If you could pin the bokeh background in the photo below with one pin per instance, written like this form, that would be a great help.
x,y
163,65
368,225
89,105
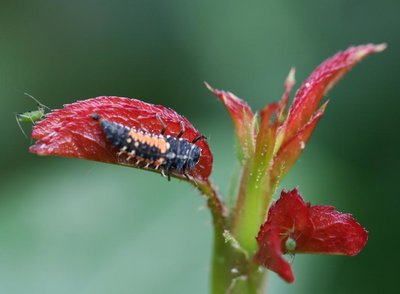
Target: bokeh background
x,y
72,226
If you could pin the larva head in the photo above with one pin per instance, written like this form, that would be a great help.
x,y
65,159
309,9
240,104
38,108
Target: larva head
x,y
194,156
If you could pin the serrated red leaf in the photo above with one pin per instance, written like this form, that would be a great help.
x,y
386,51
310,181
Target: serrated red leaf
x,y
266,136
265,140
290,151
308,97
240,113
289,84
315,229
271,256
345,235
71,132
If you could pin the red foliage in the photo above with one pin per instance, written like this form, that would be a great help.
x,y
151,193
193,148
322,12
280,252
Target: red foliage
x,y
290,152
240,113
71,132
294,130
326,75
315,229
283,135
270,254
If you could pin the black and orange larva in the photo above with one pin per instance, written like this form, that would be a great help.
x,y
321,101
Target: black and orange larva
x,y
164,153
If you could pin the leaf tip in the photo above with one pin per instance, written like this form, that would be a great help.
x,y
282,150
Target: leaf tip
x,y
208,86
323,107
380,47
291,78
368,49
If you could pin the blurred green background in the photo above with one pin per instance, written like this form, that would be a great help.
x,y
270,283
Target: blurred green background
x,y
72,226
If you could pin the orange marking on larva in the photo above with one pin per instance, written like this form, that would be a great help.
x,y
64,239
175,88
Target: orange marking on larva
x,y
159,143
149,141
163,145
136,136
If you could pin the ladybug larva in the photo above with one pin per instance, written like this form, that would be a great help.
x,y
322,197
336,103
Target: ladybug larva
x,y
156,151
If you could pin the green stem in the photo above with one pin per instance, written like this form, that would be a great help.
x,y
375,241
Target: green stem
x,y
219,212
256,281
233,272
255,191
221,277
251,205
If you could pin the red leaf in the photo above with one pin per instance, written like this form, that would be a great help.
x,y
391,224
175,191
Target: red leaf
x,y
309,96
71,131
289,84
271,256
265,141
240,113
334,233
315,229
291,150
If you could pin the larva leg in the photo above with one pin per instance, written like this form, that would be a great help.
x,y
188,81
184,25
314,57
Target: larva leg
x,y
182,130
199,137
164,125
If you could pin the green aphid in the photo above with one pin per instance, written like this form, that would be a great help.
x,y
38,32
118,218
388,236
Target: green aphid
x,y
290,245
32,116
290,249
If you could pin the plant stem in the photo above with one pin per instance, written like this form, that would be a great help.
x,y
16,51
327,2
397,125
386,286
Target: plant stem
x,y
217,207
232,270
221,277
251,205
